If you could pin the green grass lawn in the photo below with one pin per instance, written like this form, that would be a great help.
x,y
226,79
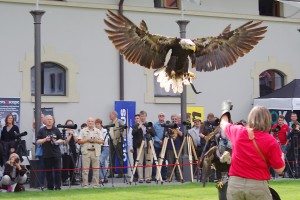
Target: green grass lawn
x,y
286,189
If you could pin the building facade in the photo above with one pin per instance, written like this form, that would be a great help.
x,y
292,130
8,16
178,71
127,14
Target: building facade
x,y
81,66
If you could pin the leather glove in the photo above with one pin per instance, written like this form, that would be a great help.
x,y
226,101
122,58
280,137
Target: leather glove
x,y
225,109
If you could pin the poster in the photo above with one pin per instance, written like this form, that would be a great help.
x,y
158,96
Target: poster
x,y
126,112
10,106
197,112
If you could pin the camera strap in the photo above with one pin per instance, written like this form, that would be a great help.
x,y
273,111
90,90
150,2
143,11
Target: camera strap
x,y
251,137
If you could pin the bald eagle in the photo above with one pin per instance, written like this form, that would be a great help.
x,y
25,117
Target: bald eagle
x,y
206,54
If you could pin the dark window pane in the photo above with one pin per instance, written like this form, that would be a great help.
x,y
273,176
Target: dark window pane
x,y
270,81
53,79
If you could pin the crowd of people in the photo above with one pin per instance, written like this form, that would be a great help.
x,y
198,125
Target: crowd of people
x,y
59,151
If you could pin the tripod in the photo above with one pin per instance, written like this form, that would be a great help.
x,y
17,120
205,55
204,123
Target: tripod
x,y
110,158
162,155
21,151
149,141
70,154
296,155
191,150
284,153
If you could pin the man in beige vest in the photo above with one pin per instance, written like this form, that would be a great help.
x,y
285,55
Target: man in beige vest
x,y
90,140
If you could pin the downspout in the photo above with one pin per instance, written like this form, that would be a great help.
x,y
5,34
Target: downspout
x,y
121,59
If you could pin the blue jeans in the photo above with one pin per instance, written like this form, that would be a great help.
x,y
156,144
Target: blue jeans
x,y
42,174
103,157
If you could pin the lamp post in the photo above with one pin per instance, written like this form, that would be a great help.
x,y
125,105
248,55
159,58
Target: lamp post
x,y
185,158
37,16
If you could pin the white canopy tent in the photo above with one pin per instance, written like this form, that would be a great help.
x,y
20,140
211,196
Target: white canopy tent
x,y
285,98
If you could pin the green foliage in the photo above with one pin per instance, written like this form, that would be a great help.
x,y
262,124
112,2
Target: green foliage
x,y
286,189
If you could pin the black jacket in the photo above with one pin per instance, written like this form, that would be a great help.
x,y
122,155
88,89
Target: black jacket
x,y
8,169
138,135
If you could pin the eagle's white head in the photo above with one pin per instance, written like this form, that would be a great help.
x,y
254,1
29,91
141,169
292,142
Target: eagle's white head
x,y
187,44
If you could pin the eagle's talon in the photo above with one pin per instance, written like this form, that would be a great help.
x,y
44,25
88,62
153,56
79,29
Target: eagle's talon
x,y
219,184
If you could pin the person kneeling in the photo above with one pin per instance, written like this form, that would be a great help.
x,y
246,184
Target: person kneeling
x,y
14,175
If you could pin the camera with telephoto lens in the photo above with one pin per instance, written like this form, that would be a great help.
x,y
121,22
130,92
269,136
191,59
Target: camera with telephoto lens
x,y
276,129
148,124
70,126
213,124
171,126
19,135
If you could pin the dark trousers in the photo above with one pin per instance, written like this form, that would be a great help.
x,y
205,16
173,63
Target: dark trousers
x,y
68,163
116,150
163,168
171,160
41,173
134,160
53,167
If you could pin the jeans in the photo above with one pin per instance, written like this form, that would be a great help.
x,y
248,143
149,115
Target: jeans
x,y
42,174
103,157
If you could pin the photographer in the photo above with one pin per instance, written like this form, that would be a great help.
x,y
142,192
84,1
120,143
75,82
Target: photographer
x,y
116,149
69,154
90,140
140,132
50,137
207,127
177,137
280,132
294,141
14,173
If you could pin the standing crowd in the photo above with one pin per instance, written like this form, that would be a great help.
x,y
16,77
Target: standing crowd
x,y
100,149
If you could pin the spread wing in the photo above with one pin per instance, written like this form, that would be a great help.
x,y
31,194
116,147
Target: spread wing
x,y
136,43
222,51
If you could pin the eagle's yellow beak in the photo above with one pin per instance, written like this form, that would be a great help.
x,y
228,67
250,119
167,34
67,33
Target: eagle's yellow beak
x,y
193,48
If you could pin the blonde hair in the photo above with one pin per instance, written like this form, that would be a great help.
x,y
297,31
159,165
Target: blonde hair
x,y
259,119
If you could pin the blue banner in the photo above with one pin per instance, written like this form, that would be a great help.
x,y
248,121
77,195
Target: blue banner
x,y
126,112
10,106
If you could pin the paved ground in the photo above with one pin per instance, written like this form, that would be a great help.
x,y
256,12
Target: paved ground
x,y
115,182
121,182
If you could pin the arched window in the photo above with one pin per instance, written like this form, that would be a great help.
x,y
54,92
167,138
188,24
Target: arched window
x,y
269,81
53,79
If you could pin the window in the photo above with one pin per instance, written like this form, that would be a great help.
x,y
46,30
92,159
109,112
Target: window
x,y
166,4
160,92
269,81
53,79
269,8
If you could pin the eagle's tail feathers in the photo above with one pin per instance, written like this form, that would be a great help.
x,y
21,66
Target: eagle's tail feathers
x,y
176,83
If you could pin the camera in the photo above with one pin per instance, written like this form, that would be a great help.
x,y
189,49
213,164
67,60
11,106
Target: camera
x,y
187,124
19,135
71,126
17,160
148,124
108,126
294,126
171,126
53,140
276,129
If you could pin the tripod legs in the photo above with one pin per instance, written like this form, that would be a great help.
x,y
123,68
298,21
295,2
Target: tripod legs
x,y
137,160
